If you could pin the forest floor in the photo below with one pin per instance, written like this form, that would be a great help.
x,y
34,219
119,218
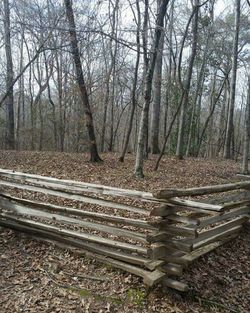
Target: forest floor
x,y
37,277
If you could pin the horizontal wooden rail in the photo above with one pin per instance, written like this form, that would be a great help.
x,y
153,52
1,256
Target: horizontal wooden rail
x,y
134,259
200,191
76,234
176,206
47,207
217,236
227,215
82,186
85,199
21,209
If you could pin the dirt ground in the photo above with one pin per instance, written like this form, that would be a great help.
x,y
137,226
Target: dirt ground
x,y
38,277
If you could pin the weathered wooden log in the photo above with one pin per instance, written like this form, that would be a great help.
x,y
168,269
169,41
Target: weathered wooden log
x,y
177,260
165,210
220,228
189,204
190,257
23,210
180,286
157,251
172,269
225,216
176,206
164,252
165,235
80,186
183,219
149,278
85,199
236,204
200,191
115,254
36,205
153,264
77,235
184,231
244,176
170,213
200,242
173,244
179,245
157,236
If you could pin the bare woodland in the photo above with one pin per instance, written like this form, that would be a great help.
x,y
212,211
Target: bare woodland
x,y
161,77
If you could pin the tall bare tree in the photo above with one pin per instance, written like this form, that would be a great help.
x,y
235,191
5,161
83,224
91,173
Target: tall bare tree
x,y
94,156
9,79
148,89
156,107
186,86
246,133
228,151
134,87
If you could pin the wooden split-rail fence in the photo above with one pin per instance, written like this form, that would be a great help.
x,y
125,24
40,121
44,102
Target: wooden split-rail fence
x,y
152,235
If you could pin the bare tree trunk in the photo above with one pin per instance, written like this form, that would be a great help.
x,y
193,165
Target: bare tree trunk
x,y
200,83
223,122
133,93
9,79
111,135
213,102
145,69
48,72
186,86
193,127
106,102
228,152
171,58
94,156
110,72
238,135
61,101
41,135
155,121
168,134
246,144
32,112
155,117
145,38
148,90
20,102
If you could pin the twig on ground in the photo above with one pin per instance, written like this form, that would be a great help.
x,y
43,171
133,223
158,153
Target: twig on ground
x,y
85,276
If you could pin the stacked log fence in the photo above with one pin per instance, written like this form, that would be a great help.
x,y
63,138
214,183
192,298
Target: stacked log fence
x,y
152,235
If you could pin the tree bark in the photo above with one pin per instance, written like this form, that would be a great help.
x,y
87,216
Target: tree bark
x,y
228,152
110,72
20,101
94,156
9,79
213,102
246,144
155,117
148,90
145,68
133,93
186,86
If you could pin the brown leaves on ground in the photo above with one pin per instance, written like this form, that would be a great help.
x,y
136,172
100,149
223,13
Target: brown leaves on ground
x,y
36,277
